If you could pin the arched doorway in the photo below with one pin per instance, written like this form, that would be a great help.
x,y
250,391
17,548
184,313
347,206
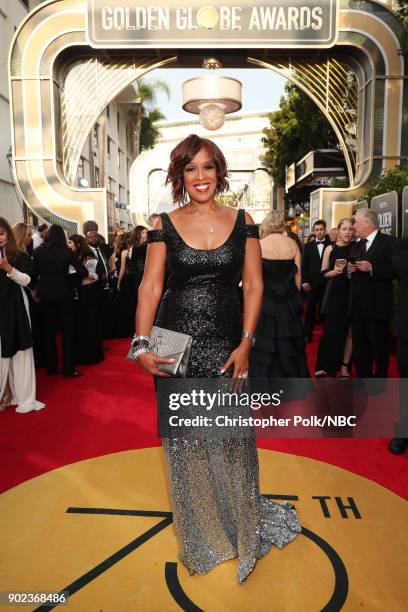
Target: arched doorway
x,y
60,83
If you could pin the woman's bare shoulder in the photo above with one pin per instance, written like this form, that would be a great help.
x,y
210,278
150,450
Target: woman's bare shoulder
x,y
158,223
248,219
279,245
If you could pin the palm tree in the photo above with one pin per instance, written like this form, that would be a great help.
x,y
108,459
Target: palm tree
x,y
149,133
146,93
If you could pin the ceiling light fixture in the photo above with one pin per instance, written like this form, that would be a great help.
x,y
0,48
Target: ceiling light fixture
x,y
212,97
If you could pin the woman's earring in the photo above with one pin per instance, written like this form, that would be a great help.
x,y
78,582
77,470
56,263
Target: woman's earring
x,y
185,196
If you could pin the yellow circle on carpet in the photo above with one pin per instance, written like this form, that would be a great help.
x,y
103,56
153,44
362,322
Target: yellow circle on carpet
x,y
46,548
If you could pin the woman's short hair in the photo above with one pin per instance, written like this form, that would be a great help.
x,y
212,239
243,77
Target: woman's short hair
x,y
182,155
274,223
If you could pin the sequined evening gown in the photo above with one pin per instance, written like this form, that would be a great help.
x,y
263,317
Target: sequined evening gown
x,y
218,512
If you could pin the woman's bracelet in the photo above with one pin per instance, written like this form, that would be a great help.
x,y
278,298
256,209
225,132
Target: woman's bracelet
x,y
140,340
139,351
246,334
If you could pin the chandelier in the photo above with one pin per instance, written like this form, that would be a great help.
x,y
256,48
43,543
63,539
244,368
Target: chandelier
x,y
212,97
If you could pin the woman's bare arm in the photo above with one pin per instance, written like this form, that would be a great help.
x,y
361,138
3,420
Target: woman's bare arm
x,y
122,267
325,264
252,285
325,260
149,295
252,282
111,264
298,262
151,287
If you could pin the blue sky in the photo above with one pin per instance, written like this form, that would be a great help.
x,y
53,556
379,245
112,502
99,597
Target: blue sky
x,y
261,89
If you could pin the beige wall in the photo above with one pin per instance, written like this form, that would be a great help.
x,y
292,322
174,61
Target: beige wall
x,y
11,13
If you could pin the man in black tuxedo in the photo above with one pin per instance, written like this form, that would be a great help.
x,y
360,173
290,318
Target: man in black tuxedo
x,y
371,272
102,267
91,227
312,281
102,270
398,445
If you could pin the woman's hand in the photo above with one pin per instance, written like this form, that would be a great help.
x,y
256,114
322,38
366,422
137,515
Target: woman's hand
x,y
338,268
239,358
35,297
4,265
149,362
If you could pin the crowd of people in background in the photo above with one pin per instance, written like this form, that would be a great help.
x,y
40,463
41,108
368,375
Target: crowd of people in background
x,y
86,290
76,287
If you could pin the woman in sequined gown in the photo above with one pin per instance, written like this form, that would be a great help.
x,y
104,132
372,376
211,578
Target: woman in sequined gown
x,y
218,511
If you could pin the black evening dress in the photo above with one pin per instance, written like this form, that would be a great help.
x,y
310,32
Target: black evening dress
x,y
89,343
336,313
15,329
279,350
218,511
125,300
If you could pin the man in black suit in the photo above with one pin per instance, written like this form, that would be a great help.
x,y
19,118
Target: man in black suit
x,y
372,272
398,445
91,227
102,267
102,270
312,281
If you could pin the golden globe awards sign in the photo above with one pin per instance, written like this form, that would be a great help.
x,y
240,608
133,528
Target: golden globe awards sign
x,y
405,212
386,206
144,24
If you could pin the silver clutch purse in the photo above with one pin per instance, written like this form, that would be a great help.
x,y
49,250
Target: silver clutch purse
x,y
168,343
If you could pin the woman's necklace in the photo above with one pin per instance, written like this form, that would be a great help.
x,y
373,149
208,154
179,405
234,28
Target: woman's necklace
x,y
211,228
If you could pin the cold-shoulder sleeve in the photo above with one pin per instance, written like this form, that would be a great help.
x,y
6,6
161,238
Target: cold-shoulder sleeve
x,y
157,235
251,230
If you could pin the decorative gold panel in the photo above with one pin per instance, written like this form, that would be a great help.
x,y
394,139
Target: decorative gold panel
x,y
325,80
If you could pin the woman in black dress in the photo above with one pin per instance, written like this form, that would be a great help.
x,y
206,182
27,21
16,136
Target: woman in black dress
x,y
88,336
24,239
130,277
335,345
17,372
53,262
279,350
218,512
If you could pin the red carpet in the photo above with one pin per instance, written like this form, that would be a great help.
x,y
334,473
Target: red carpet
x,y
112,408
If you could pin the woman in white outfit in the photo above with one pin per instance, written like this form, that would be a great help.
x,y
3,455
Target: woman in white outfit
x,y
17,372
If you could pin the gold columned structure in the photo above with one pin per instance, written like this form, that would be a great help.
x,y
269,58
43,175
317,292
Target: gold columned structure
x,y
62,76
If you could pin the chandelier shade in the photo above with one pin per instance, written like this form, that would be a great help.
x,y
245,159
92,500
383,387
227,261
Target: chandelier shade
x,y
223,91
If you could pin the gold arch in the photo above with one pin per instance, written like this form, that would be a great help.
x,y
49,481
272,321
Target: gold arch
x,y
47,138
